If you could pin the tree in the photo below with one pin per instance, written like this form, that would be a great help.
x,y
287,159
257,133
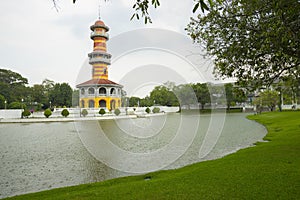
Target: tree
x,y
234,94
102,111
26,113
117,112
267,98
239,95
147,110
229,95
12,78
13,86
47,113
61,95
134,101
185,95
202,93
257,42
16,105
163,96
39,94
84,112
2,101
155,110
146,102
65,112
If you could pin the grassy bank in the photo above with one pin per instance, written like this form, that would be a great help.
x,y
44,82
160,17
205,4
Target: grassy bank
x,y
270,170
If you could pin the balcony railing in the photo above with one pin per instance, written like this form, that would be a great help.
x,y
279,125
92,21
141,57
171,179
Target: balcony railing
x,y
99,60
99,34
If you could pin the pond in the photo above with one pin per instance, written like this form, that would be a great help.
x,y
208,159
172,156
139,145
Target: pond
x,y
41,156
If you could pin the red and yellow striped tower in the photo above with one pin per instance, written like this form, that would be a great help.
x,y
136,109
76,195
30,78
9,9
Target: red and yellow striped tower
x,y
100,92
99,58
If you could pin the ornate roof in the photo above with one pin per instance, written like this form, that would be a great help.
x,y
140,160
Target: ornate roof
x,y
99,24
98,82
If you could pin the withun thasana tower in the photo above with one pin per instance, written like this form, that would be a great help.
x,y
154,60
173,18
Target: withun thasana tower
x,y
100,92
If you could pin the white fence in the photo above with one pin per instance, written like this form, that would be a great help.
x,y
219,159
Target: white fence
x,y
10,114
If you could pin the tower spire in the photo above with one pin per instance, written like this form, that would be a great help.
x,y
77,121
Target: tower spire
x,y
99,16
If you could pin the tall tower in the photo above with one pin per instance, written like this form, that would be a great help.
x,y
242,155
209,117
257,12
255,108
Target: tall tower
x,y
99,58
100,92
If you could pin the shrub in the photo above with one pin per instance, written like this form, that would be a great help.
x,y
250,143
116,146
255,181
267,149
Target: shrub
x,y
117,111
155,110
148,110
65,112
84,112
26,113
47,113
16,105
102,111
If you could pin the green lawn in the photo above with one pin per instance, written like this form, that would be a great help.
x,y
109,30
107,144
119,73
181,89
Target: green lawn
x,y
270,170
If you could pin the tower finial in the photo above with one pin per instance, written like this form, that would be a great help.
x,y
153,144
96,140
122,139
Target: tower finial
x,y
99,11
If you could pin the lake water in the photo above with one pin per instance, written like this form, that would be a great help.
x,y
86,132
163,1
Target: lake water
x,y
42,156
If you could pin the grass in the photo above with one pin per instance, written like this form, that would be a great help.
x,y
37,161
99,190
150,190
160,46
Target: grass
x,y
270,170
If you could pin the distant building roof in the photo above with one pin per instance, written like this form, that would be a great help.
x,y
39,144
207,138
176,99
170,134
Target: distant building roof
x,y
98,82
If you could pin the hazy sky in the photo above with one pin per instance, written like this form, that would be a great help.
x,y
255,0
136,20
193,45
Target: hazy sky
x,y
39,42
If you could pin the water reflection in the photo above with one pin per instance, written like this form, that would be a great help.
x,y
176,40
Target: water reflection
x,y
42,156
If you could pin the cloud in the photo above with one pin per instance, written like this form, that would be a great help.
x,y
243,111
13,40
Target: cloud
x,y
39,42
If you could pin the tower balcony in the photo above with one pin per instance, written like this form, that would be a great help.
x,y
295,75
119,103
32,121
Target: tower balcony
x,y
99,34
99,60
99,54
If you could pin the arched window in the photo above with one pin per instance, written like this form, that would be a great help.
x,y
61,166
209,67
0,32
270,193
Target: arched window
x,y
112,91
102,91
91,104
102,103
91,91
82,91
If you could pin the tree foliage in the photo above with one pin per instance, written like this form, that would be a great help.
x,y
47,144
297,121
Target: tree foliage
x,y
47,113
163,96
12,85
255,41
2,101
61,95
185,95
65,113
267,98
156,110
102,111
134,101
147,110
26,113
84,112
202,92
13,88
117,112
234,95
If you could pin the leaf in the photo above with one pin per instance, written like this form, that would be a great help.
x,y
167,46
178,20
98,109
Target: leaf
x,y
203,6
132,16
196,7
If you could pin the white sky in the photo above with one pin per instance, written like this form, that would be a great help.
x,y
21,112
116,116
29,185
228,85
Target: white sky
x,y
39,43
